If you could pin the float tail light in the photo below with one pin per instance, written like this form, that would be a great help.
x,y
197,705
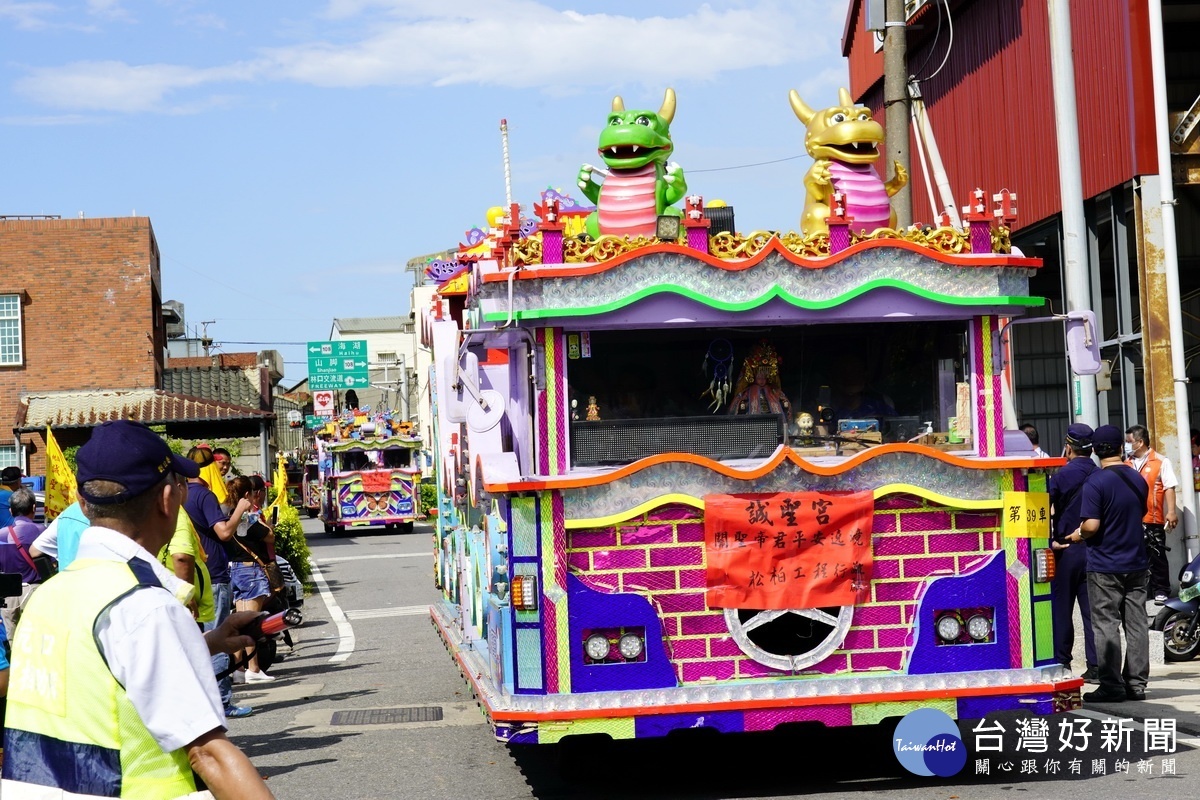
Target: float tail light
x,y
1043,565
524,593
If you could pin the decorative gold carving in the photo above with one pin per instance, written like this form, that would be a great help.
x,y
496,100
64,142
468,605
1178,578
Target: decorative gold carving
x,y
949,241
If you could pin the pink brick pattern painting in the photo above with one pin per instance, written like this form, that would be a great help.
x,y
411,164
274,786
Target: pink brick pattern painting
x,y
660,555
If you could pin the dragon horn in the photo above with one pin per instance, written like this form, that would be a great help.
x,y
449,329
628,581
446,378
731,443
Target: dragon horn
x,y
667,112
618,104
803,112
845,99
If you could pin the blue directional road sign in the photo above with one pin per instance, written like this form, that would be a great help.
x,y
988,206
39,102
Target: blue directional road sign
x,y
340,364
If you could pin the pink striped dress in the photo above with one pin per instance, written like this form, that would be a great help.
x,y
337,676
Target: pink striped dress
x,y
627,205
866,199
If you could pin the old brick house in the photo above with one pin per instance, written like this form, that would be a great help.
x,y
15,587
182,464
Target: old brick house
x,y
82,336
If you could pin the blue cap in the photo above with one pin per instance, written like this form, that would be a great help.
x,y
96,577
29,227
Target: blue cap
x,y
1108,440
128,453
1079,435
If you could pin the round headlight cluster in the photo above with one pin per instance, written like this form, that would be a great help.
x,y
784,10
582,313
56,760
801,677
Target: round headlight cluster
x,y
630,646
949,627
979,628
1187,577
596,647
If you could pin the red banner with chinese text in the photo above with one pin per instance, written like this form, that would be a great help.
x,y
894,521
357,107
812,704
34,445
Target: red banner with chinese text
x,y
788,550
380,481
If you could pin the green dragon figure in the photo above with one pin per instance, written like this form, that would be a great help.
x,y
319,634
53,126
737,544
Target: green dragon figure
x,y
639,183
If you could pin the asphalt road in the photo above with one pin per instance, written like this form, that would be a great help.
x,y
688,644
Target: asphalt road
x,y
370,705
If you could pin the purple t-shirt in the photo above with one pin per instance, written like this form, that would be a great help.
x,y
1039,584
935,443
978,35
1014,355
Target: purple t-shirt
x,y
1120,544
205,511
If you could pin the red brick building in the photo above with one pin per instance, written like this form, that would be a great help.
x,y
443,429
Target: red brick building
x,y
82,334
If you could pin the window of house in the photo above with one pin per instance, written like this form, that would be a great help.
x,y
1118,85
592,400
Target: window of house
x,y
10,329
9,457
386,358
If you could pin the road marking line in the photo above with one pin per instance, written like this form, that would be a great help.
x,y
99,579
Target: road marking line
x,y
345,632
368,558
397,611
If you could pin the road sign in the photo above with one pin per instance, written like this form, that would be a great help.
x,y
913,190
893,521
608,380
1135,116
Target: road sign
x,y
340,364
323,403
313,422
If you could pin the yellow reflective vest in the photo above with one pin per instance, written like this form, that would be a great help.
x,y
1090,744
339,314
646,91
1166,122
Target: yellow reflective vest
x,y
71,730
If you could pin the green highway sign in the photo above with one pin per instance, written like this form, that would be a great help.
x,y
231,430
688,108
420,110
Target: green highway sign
x,y
340,364
312,423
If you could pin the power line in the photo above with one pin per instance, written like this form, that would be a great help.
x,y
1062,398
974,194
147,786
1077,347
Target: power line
x,y
747,166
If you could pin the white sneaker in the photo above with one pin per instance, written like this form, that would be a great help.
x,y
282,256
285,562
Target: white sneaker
x,y
257,677
239,676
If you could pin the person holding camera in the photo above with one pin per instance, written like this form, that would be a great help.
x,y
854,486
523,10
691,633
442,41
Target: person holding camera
x,y
15,543
248,553
112,690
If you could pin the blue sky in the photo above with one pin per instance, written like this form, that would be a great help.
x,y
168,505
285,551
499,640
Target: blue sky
x,y
292,156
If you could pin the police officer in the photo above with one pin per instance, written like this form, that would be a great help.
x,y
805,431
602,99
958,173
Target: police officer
x,y
112,690
1070,572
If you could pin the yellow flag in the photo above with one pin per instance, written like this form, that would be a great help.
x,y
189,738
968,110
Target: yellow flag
x,y
280,480
216,481
60,480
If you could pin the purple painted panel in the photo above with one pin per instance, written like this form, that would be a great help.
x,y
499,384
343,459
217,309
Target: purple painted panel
x,y
837,716
618,559
752,669
923,567
877,615
591,538
674,512
676,556
722,646
965,519
680,603
708,670
885,568
984,587
898,545
693,579
703,623
884,523
662,724
954,543
689,648
689,532
891,660
648,534
589,609
914,521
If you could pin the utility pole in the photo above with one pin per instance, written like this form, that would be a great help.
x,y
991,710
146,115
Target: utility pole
x,y
895,104
1085,407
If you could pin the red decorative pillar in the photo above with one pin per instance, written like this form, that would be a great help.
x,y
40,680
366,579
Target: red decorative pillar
x,y
552,230
696,223
979,224
839,224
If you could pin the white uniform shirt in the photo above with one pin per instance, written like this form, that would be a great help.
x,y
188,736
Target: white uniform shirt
x,y
155,650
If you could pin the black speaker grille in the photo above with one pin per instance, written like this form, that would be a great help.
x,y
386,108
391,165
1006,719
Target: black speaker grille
x,y
720,437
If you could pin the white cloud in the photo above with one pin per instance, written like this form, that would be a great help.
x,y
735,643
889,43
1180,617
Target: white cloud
x,y
108,9
27,16
115,86
509,43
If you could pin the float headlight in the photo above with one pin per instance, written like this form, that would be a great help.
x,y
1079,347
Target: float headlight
x,y
979,628
596,647
630,645
949,627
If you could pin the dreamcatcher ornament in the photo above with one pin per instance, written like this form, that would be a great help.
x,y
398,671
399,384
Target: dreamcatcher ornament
x,y
720,354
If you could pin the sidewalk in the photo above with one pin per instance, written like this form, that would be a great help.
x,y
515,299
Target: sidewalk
x,y
1173,691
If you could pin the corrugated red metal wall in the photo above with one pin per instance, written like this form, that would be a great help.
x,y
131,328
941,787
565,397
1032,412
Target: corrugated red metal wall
x,y
992,107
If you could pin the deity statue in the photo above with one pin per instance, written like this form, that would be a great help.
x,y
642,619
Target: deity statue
x,y
758,388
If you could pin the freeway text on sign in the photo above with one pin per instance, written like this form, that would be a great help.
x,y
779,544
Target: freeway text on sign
x,y
340,364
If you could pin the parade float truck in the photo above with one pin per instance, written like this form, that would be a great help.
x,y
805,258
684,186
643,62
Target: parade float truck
x,y
365,460
692,478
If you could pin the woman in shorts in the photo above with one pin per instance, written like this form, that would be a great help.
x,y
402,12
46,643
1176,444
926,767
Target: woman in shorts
x,y
249,549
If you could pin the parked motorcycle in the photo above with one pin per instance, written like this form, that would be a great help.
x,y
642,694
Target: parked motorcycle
x,y
268,649
1179,619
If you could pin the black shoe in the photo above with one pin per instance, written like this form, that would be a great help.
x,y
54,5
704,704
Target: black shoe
x,y
1135,694
1091,675
1104,696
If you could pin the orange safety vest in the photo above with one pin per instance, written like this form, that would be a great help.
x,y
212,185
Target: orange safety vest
x,y
1150,471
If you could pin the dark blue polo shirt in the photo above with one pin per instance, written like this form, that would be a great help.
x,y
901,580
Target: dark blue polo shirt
x,y
1120,544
